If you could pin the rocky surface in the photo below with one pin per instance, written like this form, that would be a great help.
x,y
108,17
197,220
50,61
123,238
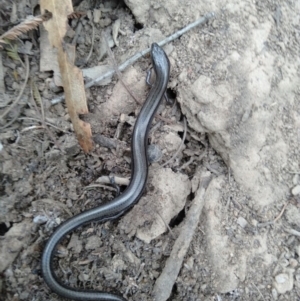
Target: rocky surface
x,y
235,80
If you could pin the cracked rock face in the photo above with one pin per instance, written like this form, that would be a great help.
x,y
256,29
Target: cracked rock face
x,y
150,217
241,114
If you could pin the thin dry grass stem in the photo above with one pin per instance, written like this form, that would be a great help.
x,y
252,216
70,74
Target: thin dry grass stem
x,y
25,26
33,127
12,52
48,123
281,212
8,109
118,72
92,46
35,96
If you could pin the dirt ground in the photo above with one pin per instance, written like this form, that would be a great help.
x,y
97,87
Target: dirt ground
x,y
235,81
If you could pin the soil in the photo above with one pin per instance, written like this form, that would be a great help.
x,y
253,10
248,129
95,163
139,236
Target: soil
x,y
235,80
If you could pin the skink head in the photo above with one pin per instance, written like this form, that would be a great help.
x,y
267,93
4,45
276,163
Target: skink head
x,y
160,60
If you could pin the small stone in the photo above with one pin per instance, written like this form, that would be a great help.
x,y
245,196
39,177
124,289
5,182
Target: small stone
x,y
281,278
81,40
296,179
93,242
154,153
15,86
41,86
53,155
62,251
190,263
105,22
74,23
284,262
287,255
242,222
293,263
215,24
75,244
69,203
97,15
24,296
40,219
297,250
274,294
70,33
284,282
296,190
254,222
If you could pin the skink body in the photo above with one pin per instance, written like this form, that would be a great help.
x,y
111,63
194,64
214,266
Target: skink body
x,y
126,200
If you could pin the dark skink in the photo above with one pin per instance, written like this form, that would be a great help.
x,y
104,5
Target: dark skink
x,y
125,201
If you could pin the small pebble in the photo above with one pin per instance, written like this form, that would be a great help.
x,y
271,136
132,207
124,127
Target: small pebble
x,y
281,278
105,22
74,23
24,296
293,263
284,262
297,250
97,15
81,40
154,153
69,203
242,222
296,179
84,277
40,219
93,242
284,282
274,294
296,190
15,86
254,222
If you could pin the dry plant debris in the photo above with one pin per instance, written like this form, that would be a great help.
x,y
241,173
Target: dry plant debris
x,y
72,78
27,25
165,282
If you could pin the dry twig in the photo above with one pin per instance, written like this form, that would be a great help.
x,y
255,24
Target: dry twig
x,y
33,127
259,291
48,123
261,225
71,76
281,212
93,186
165,282
292,231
